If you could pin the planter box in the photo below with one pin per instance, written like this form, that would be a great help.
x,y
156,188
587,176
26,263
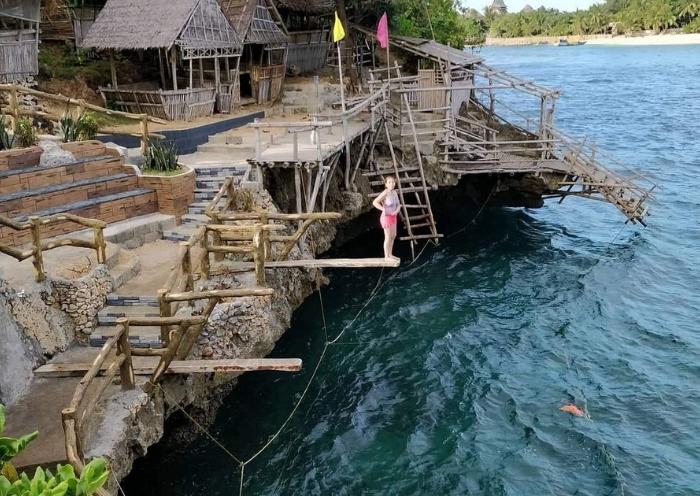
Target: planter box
x,y
175,193
20,157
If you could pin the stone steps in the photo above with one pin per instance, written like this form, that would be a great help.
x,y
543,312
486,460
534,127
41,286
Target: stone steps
x,y
139,337
118,300
194,219
108,315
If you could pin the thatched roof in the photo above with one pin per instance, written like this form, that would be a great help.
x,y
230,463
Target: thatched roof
x,y
138,24
255,20
527,8
317,7
498,5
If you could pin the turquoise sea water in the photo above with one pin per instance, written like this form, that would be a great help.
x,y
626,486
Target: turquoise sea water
x,y
450,381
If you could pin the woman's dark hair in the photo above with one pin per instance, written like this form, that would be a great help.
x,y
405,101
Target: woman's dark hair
x,y
389,177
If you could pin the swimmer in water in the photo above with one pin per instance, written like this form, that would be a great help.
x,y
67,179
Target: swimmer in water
x,y
573,410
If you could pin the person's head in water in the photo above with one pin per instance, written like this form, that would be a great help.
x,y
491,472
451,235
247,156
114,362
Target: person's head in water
x,y
390,182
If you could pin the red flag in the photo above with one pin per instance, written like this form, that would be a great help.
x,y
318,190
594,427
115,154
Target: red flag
x,y
383,32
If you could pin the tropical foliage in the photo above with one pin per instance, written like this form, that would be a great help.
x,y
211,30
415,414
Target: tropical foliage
x,y
44,483
82,128
619,16
24,133
6,140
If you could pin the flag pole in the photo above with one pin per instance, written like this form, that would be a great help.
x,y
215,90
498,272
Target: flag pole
x,y
342,86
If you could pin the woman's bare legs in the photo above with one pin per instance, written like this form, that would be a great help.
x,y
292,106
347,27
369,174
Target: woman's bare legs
x,y
389,237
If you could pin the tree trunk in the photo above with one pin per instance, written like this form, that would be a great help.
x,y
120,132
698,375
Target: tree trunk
x,y
348,59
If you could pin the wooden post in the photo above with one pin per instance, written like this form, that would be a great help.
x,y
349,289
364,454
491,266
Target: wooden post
x,y
14,107
201,73
166,358
259,256
165,311
216,241
100,245
144,134
295,147
126,370
113,70
161,68
205,265
258,141
191,76
297,189
38,260
267,245
173,65
217,76
187,267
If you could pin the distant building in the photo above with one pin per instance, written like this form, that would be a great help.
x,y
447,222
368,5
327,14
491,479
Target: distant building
x,y
527,9
498,7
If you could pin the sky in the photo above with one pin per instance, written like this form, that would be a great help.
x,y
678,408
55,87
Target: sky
x,y
517,5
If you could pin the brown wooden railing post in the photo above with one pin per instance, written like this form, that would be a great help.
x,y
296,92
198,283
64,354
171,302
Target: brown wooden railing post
x,y
36,242
100,245
217,237
144,133
126,369
205,265
259,255
165,311
231,191
267,245
187,266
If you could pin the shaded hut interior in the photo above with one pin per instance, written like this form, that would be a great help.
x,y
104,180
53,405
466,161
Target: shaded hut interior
x,y
309,24
19,40
193,44
263,61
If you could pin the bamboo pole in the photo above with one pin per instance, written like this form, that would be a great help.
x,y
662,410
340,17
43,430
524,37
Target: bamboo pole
x,y
100,245
259,257
165,311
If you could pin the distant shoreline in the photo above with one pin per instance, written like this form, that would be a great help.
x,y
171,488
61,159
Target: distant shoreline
x,y
633,40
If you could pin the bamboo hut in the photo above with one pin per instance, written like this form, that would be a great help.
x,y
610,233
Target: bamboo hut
x,y
182,32
265,47
19,40
309,23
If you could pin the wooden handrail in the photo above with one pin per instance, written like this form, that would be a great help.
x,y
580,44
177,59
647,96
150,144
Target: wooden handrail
x,y
39,246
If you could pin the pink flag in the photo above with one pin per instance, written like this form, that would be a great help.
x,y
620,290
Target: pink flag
x,y
383,32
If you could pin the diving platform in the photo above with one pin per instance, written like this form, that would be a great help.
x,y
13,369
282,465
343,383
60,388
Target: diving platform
x,y
320,263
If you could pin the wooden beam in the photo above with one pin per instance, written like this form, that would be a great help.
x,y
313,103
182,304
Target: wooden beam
x,y
78,369
322,263
173,65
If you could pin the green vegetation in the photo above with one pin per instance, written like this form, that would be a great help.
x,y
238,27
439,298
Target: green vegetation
x,y
6,141
82,128
612,16
63,62
44,483
437,19
161,156
24,133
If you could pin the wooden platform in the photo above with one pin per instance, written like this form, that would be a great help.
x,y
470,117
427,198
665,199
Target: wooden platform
x,y
282,150
321,263
180,367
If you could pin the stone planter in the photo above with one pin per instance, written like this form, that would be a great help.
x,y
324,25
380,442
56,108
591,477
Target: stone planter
x,y
18,158
175,193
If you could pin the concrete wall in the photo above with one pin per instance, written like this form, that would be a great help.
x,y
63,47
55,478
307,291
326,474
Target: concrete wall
x,y
175,193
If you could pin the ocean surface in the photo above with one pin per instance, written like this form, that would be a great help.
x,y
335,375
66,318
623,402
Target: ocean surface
x,y
451,378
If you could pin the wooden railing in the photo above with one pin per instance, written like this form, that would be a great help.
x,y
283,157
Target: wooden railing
x,y
15,111
82,405
34,224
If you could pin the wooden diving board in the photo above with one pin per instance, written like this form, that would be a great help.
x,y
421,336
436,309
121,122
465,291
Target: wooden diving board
x,y
321,263
181,367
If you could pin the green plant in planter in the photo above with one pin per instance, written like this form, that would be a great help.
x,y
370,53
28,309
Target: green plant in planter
x,y
69,128
82,128
87,127
161,156
44,483
6,141
24,133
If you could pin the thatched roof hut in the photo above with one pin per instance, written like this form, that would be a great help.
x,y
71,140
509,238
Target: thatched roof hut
x,y
195,25
257,21
315,7
194,30
19,40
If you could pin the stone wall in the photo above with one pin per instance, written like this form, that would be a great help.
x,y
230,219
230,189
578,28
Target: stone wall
x,y
81,299
175,193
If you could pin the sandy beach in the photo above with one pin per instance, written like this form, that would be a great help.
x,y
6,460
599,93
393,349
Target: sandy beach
x,y
656,39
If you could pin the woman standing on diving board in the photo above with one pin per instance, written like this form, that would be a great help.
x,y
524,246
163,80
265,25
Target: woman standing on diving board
x,y
388,203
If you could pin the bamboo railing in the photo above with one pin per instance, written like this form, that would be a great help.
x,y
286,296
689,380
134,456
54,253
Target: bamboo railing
x,y
14,110
38,246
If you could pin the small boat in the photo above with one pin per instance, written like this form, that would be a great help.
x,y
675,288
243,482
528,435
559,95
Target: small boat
x,y
565,42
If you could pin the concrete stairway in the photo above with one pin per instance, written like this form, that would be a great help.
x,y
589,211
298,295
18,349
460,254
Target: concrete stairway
x,y
208,183
127,306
